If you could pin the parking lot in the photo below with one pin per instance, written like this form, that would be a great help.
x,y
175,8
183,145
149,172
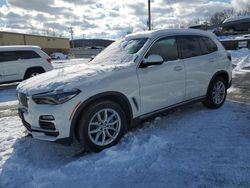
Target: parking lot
x,y
118,94
188,147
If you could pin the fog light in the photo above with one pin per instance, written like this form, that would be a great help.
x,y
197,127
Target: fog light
x,y
47,117
47,122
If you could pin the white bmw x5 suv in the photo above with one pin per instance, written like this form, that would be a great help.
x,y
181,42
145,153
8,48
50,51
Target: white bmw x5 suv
x,y
133,79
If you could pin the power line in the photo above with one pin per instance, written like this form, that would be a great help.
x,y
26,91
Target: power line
x,y
149,15
71,31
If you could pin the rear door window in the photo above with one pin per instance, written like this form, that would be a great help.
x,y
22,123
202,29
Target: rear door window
x,y
189,46
165,47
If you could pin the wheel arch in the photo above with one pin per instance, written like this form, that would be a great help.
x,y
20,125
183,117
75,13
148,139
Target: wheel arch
x,y
117,97
32,68
223,74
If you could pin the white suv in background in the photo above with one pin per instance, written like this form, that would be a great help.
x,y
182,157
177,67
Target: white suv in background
x,y
134,78
22,62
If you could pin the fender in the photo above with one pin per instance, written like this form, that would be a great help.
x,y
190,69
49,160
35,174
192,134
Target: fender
x,y
118,97
224,75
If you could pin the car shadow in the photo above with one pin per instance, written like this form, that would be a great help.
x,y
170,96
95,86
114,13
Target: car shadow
x,y
8,92
9,85
166,114
44,153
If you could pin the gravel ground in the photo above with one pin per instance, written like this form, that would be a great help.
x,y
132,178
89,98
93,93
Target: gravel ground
x,y
240,90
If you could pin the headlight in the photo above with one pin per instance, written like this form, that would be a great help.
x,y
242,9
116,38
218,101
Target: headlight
x,y
55,97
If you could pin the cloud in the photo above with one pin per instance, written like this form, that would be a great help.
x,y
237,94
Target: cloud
x,y
105,18
240,4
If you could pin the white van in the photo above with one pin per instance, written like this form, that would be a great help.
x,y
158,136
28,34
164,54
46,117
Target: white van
x,y
22,62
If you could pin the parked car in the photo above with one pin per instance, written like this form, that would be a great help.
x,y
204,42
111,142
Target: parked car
x,y
22,62
134,78
236,24
58,55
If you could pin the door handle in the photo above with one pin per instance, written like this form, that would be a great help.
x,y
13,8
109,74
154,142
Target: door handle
x,y
178,68
211,60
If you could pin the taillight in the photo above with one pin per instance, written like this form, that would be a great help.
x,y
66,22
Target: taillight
x,y
229,57
49,60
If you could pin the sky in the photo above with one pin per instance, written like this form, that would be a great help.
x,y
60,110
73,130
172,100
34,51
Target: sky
x,y
109,19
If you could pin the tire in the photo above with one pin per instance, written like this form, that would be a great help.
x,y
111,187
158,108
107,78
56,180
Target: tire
x,y
33,72
216,94
100,126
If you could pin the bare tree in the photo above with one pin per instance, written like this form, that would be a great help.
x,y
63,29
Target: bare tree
x,y
218,18
245,11
229,12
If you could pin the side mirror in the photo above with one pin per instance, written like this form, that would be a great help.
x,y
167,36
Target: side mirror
x,y
153,59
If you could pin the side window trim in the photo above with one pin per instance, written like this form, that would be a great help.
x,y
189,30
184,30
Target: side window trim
x,y
179,46
199,41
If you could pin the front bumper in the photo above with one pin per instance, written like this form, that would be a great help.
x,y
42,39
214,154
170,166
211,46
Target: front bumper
x,y
56,129
51,133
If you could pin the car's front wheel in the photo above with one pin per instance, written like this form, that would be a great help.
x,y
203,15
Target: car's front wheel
x,y
216,93
102,125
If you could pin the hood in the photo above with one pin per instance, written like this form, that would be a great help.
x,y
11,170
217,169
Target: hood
x,y
69,77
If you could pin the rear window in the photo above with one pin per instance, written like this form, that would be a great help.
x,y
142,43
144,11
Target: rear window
x,y
207,45
29,54
15,55
189,46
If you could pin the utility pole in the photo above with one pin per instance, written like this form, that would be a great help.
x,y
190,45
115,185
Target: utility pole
x,y
72,36
149,15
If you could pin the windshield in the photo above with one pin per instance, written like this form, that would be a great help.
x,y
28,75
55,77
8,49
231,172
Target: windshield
x,y
120,51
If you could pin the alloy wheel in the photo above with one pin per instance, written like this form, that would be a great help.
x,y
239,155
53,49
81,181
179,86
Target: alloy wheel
x,y
104,127
218,93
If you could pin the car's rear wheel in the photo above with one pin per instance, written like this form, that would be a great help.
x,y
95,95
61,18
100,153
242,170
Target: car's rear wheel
x,y
33,72
216,93
102,125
